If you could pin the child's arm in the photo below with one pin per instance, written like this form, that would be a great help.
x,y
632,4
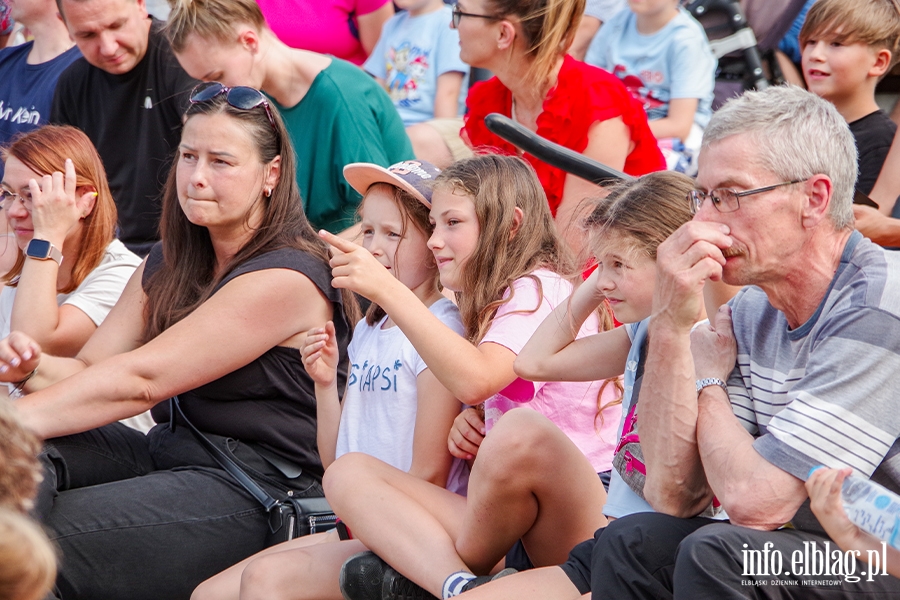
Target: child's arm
x,y
446,95
678,123
824,488
435,412
471,373
320,357
553,353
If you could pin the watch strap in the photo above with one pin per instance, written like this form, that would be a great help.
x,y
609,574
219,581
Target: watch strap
x,y
708,381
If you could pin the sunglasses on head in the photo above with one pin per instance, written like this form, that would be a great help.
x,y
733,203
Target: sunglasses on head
x,y
241,97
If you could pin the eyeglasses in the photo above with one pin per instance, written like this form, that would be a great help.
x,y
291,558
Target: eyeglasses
x,y
725,200
8,200
241,97
459,14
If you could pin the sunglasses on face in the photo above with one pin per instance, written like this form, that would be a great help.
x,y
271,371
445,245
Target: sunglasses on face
x,y
241,97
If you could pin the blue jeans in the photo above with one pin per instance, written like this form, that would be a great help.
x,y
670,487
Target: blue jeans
x,y
151,516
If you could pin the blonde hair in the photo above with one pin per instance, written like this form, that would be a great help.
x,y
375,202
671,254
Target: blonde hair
x,y
20,472
875,23
549,28
27,559
411,211
210,19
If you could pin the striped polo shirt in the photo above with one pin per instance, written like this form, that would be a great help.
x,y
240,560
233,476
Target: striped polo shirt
x,y
828,392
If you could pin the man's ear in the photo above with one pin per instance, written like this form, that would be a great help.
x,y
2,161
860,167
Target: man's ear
x,y
517,222
819,190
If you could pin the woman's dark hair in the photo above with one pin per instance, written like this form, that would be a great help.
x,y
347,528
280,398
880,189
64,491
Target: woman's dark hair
x,y
188,274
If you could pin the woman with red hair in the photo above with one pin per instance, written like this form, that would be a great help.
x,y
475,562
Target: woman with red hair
x,y
69,269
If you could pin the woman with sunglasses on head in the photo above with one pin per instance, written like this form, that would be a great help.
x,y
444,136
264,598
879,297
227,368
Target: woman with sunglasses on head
x,y
216,314
335,113
68,269
585,109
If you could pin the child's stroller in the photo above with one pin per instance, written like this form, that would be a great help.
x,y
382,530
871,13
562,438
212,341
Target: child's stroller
x,y
743,36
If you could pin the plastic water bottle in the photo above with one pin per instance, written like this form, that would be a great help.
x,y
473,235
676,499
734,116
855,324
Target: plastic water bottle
x,y
872,508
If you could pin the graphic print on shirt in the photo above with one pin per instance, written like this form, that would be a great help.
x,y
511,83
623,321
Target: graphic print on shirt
x,y
372,377
20,115
637,86
406,68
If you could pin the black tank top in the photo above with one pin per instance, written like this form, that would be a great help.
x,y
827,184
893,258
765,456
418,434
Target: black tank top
x,y
271,401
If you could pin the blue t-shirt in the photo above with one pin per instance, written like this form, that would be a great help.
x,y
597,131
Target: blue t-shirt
x,y
27,90
410,55
621,499
674,62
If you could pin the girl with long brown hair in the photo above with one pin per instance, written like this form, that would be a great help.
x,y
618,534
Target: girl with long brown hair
x,y
497,249
216,315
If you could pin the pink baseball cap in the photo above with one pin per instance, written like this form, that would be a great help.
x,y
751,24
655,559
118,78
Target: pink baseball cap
x,y
413,176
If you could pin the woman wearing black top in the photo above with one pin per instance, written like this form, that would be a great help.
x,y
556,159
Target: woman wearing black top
x,y
215,314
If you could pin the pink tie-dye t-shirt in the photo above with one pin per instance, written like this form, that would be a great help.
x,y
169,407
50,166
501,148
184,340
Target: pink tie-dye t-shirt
x,y
572,406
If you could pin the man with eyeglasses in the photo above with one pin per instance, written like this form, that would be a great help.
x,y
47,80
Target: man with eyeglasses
x,y
797,371
127,94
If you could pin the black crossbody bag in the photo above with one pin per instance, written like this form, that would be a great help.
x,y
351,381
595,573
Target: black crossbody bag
x,y
288,518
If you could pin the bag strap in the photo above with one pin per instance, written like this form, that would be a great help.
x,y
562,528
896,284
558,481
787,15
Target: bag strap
x,y
225,461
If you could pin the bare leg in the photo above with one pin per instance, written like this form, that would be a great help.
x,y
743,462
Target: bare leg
x,y
537,584
531,482
227,584
408,522
309,573
428,145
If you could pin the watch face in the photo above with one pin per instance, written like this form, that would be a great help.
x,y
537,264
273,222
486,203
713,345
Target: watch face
x,y
38,249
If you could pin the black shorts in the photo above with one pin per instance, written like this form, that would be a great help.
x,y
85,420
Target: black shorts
x,y
517,558
578,567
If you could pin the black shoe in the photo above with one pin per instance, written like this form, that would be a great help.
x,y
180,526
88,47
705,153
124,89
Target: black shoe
x,y
398,587
362,576
483,579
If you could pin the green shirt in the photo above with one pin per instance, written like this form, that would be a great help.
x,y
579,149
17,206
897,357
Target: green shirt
x,y
345,117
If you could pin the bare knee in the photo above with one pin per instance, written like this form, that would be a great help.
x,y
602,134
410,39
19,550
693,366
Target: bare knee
x,y
262,578
345,476
204,591
517,444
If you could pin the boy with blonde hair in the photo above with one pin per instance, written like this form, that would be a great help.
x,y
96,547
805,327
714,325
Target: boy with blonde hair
x,y
847,47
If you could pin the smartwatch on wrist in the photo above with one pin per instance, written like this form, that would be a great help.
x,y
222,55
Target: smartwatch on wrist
x,y
43,250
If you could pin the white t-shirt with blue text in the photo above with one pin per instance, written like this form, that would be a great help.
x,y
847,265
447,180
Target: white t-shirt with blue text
x,y
378,414
410,56
675,62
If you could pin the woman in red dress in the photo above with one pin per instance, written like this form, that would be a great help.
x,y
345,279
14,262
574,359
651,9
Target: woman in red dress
x,y
581,107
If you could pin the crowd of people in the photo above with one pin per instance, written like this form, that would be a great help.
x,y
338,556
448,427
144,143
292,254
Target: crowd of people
x,y
277,243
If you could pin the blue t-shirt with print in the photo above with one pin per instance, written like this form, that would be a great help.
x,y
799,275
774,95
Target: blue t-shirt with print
x,y
410,56
27,91
621,500
675,62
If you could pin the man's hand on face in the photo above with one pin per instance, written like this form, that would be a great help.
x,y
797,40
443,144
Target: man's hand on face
x,y
713,346
684,262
